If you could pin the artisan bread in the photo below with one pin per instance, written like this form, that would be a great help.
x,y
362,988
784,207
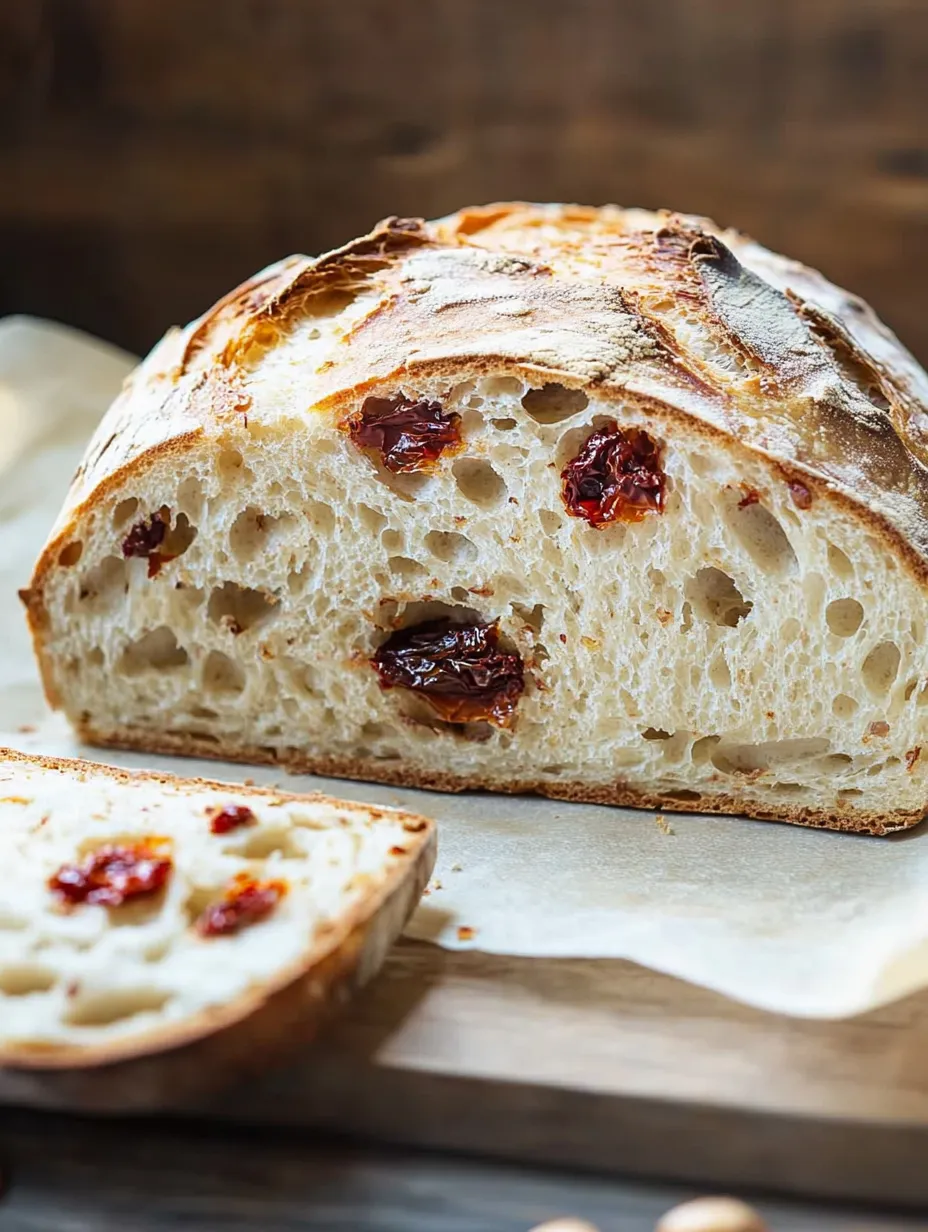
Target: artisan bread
x,y
141,913
602,504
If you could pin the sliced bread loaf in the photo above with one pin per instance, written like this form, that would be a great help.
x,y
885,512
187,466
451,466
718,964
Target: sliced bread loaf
x,y
602,504
213,925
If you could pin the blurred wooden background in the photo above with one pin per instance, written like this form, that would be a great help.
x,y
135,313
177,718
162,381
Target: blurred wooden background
x,y
154,152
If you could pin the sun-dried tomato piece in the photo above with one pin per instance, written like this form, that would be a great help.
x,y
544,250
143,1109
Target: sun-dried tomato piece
x,y
802,497
114,874
144,539
226,817
245,901
459,669
616,477
409,436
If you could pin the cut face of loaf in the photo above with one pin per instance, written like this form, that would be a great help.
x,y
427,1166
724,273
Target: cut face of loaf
x,y
139,913
599,504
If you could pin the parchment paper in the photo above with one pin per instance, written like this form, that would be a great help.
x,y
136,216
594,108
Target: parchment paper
x,y
798,921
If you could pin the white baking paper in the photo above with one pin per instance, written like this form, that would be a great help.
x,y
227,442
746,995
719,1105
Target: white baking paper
x,y
793,920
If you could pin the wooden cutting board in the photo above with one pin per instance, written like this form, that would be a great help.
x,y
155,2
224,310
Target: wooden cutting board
x,y
605,1065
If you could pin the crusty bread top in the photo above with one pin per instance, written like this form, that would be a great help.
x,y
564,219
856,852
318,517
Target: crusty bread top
x,y
81,983
665,306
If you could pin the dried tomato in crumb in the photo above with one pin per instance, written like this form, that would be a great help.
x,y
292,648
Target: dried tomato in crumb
x,y
112,875
226,817
802,497
144,539
616,477
459,669
245,902
408,436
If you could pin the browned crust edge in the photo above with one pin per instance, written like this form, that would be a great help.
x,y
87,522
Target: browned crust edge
x,y
287,1007
615,792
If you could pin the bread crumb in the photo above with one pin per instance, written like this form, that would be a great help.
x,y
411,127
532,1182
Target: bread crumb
x,y
434,884
663,824
466,933
248,782
456,868
26,728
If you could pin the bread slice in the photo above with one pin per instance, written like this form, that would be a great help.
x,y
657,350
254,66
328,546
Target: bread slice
x,y
602,504
146,914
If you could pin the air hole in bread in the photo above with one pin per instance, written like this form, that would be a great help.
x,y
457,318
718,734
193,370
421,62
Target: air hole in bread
x,y
450,547
494,386
843,706
683,795
178,538
252,531
157,951
881,667
747,758
551,522
839,563
478,482
787,789
719,671
321,516
844,617
655,733
221,675
392,539
297,580
534,617
504,425
837,761
702,749
124,511
10,923
406,568
260,844
190,498
761,536
377,731
26,978
238,608
371,519
70,554
553,403
921,698
105,582
95,656
716,599
204,712
230,464
99,1009
155,651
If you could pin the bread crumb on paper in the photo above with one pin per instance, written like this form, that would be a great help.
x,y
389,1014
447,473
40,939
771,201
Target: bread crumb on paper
x,y
663,824
466,933
457,868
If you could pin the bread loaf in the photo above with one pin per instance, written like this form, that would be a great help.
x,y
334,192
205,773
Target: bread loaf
x,y
602,504
143,914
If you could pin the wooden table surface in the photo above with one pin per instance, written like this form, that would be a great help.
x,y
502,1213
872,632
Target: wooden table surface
x,y
68,1175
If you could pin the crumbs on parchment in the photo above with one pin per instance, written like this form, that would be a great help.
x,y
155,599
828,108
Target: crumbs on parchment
x,y
663,824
